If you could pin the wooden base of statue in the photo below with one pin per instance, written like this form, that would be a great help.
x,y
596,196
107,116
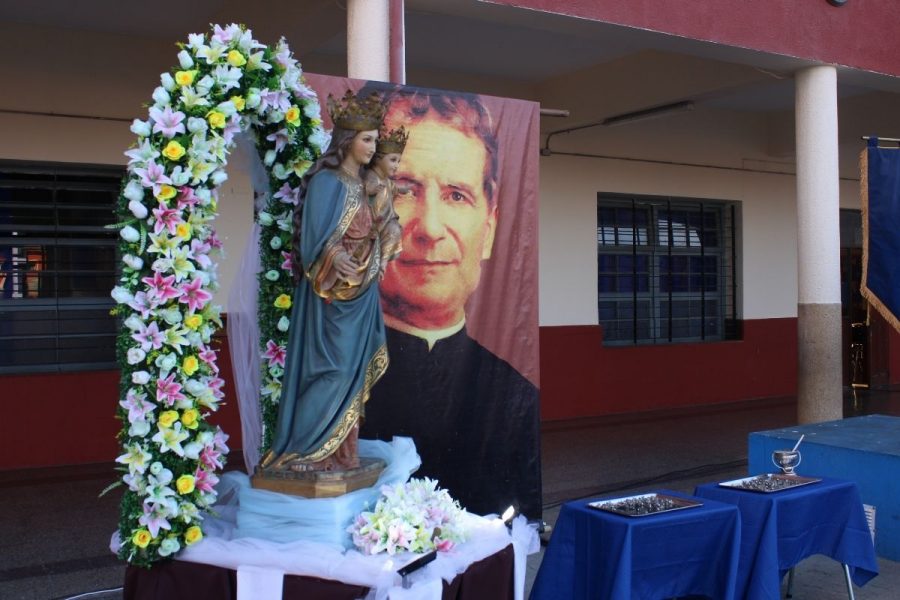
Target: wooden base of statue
x,y
319,484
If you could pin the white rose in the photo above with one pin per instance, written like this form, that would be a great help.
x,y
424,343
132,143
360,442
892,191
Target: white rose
x,y
205,196
139,428
275,243
121,295
136,355
283,324
169,546
219,177
185,60
192,450
141,128
138,209
194,387
227,108
130,234
161,96
196,125
134,191
134,262
167,81
264,218
312,109
205,84
166,362
140,377
280,172
275,116
270,157
134,322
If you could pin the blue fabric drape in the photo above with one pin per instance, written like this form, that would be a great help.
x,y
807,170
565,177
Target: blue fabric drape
x,y
881,223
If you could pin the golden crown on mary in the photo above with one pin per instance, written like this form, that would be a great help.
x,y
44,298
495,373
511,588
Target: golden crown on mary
x,y
393,141
357,114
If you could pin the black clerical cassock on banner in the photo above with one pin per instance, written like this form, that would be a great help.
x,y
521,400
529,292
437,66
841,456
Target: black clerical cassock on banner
x,y
460,302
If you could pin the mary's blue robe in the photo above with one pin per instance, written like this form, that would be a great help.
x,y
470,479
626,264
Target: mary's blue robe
x,y
336,347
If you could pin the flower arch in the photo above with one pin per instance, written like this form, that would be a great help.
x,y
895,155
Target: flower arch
x,y
226,83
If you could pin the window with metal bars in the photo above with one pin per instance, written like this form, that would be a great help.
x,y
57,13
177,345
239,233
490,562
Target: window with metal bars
x,y
57,267
666,269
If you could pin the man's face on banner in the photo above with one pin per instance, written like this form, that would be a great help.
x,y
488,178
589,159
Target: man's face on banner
x,y
448,224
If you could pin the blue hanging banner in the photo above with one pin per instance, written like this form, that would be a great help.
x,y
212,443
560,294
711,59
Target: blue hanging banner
x,y
880,199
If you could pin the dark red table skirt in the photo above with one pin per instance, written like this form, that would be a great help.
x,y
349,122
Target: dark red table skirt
x,y
491,577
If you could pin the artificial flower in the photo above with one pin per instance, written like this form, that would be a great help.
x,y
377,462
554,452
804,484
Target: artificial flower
x,y
192,535
167,122
283,301
292,116
216,119
129,234
141,538
185,484
185,78
193,321
140,128
190,365
167,418
166,192
185,60
173,151
236,59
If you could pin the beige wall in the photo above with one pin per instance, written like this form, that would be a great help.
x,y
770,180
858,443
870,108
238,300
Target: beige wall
x,y
106,75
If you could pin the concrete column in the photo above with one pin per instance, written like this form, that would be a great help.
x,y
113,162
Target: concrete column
x,y
368,39
819,299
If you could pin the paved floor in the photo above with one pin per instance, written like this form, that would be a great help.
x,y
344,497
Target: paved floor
x,y
54,530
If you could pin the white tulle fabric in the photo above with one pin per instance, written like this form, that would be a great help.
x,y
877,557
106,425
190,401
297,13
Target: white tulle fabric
x,y
243,323
261,563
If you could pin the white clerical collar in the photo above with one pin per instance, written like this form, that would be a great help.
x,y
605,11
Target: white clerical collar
x,y
432,336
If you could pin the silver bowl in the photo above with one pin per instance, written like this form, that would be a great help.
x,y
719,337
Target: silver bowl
x,y
786,460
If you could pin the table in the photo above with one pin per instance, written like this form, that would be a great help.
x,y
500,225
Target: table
x,y
596,554
491,577
780,529
865,450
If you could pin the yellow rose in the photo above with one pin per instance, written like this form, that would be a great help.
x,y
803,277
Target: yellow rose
x,y
185,77
191,417
173,150
166,192
141,538
189,366
238,102
185,484
283,301
168,418
236,59
193,321
183,230
193,535
292,116
216,119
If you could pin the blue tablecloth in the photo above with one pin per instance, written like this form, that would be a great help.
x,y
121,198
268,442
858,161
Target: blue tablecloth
x,y
601,555
780,529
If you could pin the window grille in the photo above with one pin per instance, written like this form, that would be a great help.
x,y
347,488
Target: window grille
x,y
57,267
666,269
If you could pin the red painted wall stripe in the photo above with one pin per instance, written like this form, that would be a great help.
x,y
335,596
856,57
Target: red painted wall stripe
x,y
582,378
860,34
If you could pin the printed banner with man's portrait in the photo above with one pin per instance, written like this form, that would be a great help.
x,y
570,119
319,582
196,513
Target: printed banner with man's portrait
x,y
460,301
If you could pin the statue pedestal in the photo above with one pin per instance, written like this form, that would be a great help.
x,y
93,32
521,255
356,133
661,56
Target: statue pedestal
x,y
319,484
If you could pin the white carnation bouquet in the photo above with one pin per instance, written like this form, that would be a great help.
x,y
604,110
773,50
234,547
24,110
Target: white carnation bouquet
x,y
416,517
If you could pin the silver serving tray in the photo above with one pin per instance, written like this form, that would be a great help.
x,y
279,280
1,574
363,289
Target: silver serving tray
x,y
644,505
769,483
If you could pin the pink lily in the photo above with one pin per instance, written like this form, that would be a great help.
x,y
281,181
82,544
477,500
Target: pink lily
x,y
280,138
274,99
167,122
211,458
166,218
204,480
199,251
214,240
219,440
153,176
154,519
168,391
275,354
161,288
232,127
149,337
143,304
186,197
287,265
194,295
136,405
208,355
287,194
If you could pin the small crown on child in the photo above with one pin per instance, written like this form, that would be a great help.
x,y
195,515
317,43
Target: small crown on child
x,y
357,114
393,141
